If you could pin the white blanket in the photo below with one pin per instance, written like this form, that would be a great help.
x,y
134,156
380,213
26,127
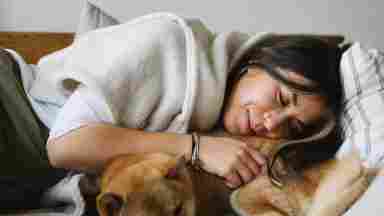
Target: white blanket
x,y
157,72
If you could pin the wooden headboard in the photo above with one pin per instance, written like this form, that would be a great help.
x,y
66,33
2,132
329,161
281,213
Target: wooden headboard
x,y
33,45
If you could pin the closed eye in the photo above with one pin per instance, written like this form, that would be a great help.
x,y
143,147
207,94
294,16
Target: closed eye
x,y
281,100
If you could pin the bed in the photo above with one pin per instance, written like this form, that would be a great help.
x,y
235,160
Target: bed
x,y
33,45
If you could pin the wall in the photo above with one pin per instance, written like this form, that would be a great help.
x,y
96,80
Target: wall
x,y
358,20
39,15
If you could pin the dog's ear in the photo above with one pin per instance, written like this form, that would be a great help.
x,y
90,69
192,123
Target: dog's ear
x,y
109,204
178,170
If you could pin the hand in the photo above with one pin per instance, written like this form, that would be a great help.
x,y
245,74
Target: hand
x,y
231,159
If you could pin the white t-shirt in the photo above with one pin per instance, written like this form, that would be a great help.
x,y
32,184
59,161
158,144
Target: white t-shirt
x,y
74,114
77,112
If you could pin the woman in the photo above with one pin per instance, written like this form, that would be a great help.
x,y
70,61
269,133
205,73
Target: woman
x,y
285,87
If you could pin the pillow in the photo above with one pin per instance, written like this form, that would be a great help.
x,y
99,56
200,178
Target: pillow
x,y
92,18
362,73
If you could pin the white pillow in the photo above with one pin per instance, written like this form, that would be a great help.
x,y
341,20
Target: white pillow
x,y
362,72
92,18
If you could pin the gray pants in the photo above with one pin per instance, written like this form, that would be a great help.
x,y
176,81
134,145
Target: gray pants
x,y
24,168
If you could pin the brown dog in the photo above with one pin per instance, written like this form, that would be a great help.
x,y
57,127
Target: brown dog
x,y
157,185
162,185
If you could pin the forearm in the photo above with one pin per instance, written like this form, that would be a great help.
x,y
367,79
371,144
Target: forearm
x,y
91,146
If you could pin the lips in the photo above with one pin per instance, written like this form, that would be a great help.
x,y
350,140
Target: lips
x,y
248,126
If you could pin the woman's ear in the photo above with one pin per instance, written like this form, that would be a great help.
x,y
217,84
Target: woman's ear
x,y
321,128
109,204
326,127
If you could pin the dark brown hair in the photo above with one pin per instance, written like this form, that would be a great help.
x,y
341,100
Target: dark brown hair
x,y
316,60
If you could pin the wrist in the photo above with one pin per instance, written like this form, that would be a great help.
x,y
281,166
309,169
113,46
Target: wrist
x,y
186,150
191,147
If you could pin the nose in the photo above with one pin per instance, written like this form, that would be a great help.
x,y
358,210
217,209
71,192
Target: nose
x,y
274,118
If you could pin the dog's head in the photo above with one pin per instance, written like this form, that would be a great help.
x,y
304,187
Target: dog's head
x,y
146,185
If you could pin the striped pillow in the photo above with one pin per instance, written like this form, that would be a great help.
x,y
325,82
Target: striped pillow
x,y
362,72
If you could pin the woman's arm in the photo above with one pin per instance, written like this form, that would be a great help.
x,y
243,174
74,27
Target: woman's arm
x,y
84,136
90,146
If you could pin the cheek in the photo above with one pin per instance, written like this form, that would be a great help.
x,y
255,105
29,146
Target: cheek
x,y
312,109
313,106
229,120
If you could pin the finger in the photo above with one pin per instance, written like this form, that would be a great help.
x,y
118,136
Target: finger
x,y
257,156
233,179
263,169
243,170
230,185
252,165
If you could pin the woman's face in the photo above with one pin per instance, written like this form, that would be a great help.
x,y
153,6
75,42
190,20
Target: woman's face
x,y
262,106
